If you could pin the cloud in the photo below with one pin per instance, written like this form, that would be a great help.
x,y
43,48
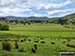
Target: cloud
x,y
61,12
16,7
12,12
32,12
37,15
53,6
12,3
20,7
53,0
12,7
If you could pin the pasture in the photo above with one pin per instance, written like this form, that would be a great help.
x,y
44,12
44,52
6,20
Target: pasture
x,y
46,34
45,30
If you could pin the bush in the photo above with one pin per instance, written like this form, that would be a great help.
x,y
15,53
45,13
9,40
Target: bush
x,y
16,45
4,27
3,46
6,46
0,26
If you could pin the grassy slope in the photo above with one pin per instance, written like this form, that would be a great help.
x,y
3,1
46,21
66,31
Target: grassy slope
x,y
70,16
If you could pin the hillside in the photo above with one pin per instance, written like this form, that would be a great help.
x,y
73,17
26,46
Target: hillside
x,y
69,19
70,16
29,18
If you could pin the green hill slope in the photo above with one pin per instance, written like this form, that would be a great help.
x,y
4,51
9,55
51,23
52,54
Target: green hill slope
x,y
70,16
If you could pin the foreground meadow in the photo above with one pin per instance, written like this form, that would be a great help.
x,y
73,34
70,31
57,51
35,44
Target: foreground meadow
x,y
48,33
43,49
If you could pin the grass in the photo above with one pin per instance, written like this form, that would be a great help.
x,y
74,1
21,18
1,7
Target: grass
x,y
45,31
46,49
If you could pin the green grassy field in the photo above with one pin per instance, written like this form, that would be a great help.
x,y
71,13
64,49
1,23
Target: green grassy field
x,y
44,49
49,33
44,30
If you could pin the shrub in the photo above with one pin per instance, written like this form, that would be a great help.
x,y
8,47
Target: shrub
x,y
33,50
6,46
0,26
64,42
36,41
16,45
22,40
43,42
4,27
35,46
52,42
41,38
29,39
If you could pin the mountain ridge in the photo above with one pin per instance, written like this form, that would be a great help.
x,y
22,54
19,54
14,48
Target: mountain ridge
x,y
70,16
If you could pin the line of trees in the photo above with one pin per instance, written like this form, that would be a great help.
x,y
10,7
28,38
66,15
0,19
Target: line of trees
x,y
61,21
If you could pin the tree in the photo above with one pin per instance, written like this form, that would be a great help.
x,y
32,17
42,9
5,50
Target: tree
x,y
2,18
62,21
4,27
